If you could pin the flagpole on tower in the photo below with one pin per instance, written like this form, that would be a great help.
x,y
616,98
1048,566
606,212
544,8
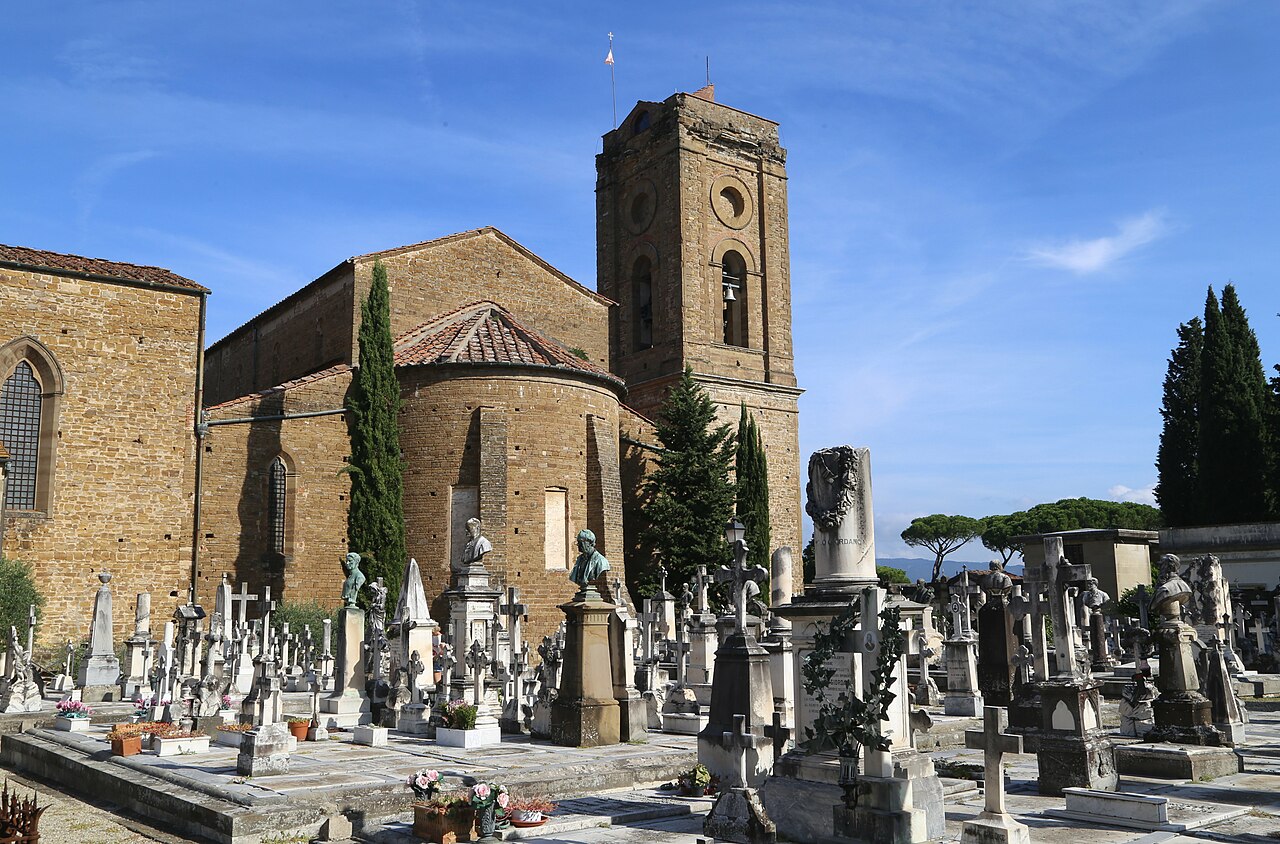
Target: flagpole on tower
x,y
613,83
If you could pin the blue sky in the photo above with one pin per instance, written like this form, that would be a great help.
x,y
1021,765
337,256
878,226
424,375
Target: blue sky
x,y
999,211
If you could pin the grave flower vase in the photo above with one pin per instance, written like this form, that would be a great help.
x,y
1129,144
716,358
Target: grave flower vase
x,y
486,820
299,729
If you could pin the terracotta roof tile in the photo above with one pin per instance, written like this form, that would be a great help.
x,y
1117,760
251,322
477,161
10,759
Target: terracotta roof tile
x,y
287,385
486,333
25,256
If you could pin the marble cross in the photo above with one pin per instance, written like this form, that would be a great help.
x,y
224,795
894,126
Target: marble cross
x,y
701,584
738,741
739,576
994,742
1260,633
242,598
477,659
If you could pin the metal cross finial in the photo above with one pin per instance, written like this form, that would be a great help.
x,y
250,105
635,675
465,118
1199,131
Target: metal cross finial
x,y
739,577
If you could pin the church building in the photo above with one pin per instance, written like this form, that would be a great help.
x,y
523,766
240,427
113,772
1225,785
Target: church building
x,y
527,397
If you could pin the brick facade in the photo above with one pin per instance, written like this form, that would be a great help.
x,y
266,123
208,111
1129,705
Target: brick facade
x,y
121,451
662,182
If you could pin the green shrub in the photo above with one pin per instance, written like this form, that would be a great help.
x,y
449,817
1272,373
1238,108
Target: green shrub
x,y
309,614
17,593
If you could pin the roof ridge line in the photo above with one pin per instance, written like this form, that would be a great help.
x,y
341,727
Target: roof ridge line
x,y
481,315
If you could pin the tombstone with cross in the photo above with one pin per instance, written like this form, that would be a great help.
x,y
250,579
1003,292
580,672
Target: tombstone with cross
x,y
241,600
994,824
703,637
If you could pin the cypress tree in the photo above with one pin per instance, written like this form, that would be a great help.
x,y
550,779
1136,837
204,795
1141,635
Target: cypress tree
x,y
1178,457
689,495
375,520
751,474
1233,454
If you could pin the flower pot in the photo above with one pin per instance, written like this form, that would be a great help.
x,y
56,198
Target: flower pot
x,y
439,677
433,824
181,745
228,738
71,725
526,820
298,729
126,746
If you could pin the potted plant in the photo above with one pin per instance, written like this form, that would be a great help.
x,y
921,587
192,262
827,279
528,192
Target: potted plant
x,y
298,728
227,712
437,661
489,800
529,811
230,735
73,716
444,820
125,740
461,730
695,782
182,742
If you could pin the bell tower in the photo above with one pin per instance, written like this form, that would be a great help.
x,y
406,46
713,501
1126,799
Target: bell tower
x,y
692,243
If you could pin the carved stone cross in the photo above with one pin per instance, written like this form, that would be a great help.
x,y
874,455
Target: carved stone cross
x,y
994,742
1260,633
477,659
701,584
243,599
738,577
738,741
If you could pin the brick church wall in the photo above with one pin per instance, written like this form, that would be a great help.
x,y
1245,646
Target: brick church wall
x,y
122,486
513,434
235,534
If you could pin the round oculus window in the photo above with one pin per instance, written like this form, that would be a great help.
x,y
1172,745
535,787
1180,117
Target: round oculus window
x,y
731,201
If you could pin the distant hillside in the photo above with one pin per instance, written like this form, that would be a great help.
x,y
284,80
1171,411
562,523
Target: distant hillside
x,y
917,568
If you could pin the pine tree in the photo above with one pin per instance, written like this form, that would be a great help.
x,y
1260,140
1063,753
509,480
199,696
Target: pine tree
x,y
689,493
375,520
751,486
1233,453
1178,457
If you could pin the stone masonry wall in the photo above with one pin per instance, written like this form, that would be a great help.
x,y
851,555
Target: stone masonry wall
x,y
123,478
541,421
234,530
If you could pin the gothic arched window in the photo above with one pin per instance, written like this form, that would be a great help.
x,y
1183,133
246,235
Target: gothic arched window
x,y
31,388
733,284
20,406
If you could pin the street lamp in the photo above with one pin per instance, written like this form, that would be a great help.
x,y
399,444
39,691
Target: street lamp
x,y
734,533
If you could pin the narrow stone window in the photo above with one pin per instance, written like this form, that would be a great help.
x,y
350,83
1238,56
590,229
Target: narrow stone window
x,y
20,408
733,285
642,293
277,502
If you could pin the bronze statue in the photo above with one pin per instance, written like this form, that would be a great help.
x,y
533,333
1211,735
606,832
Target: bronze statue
x,y
591,564
355,579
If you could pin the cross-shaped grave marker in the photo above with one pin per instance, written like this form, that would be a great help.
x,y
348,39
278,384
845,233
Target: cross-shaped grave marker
x,y
242,598
477,659
959,616
701,584
994,742
738,741
1260,633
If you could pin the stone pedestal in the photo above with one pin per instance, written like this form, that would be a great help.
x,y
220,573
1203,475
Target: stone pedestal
x,y
585,713
264,751
348,705
742,686
1073,751
963,697
1177,761
994,828
782,674
415,719
885,813
740,817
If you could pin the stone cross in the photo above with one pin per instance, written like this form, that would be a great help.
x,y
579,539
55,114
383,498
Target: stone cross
x,y
994,742
959,617
515,612
1024,664
738,577
1260,634
1020,607
1062,608
243,598
738,741
31,629
477,659
701,584
447,662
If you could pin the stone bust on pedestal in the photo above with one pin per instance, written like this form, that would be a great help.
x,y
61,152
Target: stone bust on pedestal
x,y
477,546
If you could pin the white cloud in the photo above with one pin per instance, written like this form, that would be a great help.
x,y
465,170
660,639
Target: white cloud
x,y
1145,495
1090,256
